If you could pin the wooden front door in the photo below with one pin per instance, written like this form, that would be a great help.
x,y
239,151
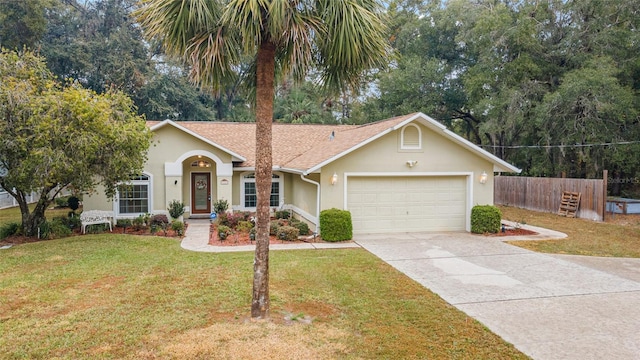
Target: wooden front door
x,y
200,193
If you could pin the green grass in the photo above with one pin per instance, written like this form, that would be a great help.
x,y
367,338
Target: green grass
x,y
13,214
614,238
126,297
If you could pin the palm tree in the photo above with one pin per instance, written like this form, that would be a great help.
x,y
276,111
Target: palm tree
x,y
339,38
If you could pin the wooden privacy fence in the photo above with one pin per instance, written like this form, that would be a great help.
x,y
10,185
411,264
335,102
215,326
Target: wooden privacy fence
x,y
545,194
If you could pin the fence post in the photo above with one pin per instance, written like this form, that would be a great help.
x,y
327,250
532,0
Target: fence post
x,y
605,178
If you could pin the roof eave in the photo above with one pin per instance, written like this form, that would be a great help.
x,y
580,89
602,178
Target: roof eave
x,y
235,156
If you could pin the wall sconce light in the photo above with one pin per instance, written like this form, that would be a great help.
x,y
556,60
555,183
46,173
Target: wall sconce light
x,y
334,179
483,177
411,163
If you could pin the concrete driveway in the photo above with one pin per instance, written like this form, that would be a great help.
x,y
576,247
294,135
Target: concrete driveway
x,y
548,306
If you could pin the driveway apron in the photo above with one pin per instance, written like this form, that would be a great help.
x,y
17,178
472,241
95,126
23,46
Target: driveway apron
x,y
549,307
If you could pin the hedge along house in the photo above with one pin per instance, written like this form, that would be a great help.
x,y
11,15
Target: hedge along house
x,y
407,173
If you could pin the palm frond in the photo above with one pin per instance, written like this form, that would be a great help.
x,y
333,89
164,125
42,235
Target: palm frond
x,y
295,25
249,18
355,42
176,22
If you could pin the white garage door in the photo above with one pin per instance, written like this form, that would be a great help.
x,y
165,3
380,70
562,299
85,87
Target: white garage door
x,y
406,204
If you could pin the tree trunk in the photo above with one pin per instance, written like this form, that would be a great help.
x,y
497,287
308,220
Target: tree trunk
x,y
264,115
31,221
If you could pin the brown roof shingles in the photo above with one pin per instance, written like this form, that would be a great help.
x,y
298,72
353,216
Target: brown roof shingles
x,y
295,146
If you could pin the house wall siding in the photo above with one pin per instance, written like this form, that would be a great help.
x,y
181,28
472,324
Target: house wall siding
x,y
303,194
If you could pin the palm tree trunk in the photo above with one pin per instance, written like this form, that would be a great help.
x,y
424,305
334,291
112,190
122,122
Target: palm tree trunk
x,y
264,115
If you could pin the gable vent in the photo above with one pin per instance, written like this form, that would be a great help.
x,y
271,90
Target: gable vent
x,y
411,137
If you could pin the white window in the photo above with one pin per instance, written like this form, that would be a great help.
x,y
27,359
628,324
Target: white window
x,y
249,194
134,197
411,137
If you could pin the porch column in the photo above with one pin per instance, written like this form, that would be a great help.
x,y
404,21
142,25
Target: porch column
x,y
224,179
172,183
223,186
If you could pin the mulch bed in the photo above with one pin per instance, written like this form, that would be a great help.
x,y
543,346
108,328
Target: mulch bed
x,y
242,238
514,232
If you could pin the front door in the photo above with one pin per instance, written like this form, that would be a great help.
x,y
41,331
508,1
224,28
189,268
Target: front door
x,y
200,193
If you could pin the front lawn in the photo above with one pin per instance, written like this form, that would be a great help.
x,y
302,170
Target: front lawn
x,y
612,238
13,214
134,297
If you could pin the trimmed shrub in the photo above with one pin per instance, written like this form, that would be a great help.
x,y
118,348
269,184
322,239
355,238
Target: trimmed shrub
x,y
273,228
54,229
74,203
300,225
160,220
220,206
139,223
288,233
244,225
283,214
72,221
176,209
223,232
230,219
123,223
178,227
247,215
8,229
335,225
97,228
485,219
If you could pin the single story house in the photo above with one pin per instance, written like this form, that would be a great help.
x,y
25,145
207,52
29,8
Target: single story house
x,y
407,173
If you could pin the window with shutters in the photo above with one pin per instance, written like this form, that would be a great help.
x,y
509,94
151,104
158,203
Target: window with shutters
x,y
411,137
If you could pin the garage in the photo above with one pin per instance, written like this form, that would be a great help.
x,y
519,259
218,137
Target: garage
x,y
382,204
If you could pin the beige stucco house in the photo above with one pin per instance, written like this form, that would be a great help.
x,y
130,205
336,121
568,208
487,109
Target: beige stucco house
x,y
407,173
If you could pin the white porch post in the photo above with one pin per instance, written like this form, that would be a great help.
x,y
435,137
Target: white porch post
x,y
224,186
172,183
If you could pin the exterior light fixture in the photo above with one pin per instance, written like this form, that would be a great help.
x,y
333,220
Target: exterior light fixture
x,y
483,177
411,163
334,179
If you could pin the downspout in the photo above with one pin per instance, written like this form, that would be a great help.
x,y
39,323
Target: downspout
x,y
317,184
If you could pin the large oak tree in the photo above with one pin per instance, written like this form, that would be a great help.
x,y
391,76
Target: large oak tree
x,y
54,136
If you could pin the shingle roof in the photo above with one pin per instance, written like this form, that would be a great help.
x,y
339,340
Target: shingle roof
x,y
308,147
295,146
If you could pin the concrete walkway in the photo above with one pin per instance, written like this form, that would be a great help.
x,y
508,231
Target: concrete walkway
x,y
548,306
196,238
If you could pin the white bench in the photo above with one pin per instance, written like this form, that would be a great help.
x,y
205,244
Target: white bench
x,y
93,217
